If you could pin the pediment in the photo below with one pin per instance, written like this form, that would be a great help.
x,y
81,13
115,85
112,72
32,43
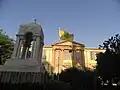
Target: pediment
x,y
66,43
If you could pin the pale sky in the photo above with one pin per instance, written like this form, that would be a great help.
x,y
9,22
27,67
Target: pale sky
x,y
91,21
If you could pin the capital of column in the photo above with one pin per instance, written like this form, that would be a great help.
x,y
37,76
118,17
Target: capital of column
x,y
62,49
58,49
53,49
21,37
34,38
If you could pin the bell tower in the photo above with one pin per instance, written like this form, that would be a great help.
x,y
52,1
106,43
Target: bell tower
x,y
27,52
29,43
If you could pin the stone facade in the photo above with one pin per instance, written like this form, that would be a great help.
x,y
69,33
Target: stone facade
x,y
27,52
66,54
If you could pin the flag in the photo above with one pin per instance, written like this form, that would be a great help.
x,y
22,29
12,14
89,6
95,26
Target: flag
x,y
63,35
71,37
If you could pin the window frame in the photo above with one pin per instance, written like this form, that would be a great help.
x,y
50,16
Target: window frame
x,y
67,55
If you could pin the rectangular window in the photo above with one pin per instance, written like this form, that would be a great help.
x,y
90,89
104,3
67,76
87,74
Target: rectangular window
x,y
57,52
78,56
67,55
44,52
57,57
44,57
93,55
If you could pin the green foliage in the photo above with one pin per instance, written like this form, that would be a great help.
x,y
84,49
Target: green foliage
x,y
108,62
6,47
78,79
112,44
48,67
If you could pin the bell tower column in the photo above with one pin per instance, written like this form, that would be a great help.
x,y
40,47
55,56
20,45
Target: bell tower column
x,y
19,48
37,51
16,47
33,47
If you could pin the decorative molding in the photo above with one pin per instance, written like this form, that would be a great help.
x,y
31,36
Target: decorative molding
x,y
58,49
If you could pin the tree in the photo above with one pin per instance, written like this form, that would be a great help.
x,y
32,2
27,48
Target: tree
x,y
78,79
6,47
48,67
108,62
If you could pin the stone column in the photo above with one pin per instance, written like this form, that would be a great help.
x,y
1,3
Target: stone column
x,y
19,49
41,51
73,58
15,48
33,48
86,58
61,60
24,52
37,51
83,57
53,57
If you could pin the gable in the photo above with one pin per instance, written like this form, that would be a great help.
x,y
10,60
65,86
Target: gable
x,y
64,43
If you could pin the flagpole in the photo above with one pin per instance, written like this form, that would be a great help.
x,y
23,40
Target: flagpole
x,y
58,55
58,32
